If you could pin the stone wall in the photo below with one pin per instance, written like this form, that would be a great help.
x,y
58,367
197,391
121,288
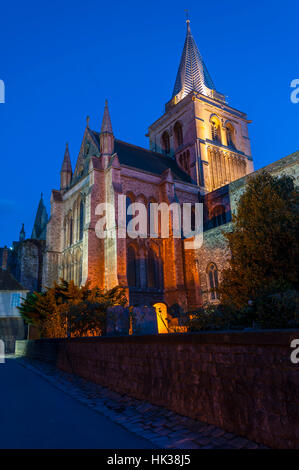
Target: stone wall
x,y
243,382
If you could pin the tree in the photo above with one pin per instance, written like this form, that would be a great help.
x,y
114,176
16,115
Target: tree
x,y
88,318
263,242
69,310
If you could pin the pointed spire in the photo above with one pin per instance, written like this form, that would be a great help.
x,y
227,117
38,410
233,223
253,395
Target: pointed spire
x,y
106,123
40,223
66,169
188,21
66,164
106,135
192,74
22,234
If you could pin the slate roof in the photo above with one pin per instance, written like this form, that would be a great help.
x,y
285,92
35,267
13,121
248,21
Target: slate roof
x,y
193,74
8,282
146,160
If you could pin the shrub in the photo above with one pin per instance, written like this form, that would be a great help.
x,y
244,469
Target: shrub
x,y
269,310
218,317
279,310
69,310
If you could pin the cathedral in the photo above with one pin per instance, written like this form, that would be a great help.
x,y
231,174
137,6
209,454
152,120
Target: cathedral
x,y
24,260
199,151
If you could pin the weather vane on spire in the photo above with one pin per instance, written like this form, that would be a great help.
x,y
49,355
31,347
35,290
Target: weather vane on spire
x,y
187,20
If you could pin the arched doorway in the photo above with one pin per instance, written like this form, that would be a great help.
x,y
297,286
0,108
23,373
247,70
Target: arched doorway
x,y
162,317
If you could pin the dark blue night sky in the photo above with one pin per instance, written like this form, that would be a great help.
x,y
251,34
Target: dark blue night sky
x,y
60,60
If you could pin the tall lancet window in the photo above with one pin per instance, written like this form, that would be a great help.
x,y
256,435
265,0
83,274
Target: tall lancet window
x,y
132,268
165,143
71,231
81,221
178,132
230,136
212,274
215,129
152,269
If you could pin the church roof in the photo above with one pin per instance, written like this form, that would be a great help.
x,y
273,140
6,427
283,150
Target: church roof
x,y
192,74
146,160
8,282
40,223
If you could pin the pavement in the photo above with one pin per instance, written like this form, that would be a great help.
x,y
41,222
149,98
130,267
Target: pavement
x,y
34,414
44,407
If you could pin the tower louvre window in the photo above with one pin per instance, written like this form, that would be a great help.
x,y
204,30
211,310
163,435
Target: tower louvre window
x,y
178,132
184,160
230,136
215,128
165,143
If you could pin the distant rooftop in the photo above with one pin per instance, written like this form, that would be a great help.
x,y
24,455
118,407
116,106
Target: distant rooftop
x,y
8,282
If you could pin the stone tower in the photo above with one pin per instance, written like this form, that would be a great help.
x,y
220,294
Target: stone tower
x,y
207,137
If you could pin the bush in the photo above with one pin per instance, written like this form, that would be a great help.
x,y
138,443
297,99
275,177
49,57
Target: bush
x,y
270,310
280,310
218,317
68,310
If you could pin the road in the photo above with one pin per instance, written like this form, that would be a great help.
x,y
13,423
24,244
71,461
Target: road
x,y
36,415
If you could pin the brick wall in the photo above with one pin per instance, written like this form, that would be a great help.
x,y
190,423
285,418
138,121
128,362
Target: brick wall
x,y
243,382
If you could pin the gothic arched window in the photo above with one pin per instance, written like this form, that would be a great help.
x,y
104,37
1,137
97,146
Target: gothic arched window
x,y
212,274
132,268
165,143
219,216
152,269
129,201
178,132
65,233
215,130
230,135
81,220
71,231
78,268
193,219
185,161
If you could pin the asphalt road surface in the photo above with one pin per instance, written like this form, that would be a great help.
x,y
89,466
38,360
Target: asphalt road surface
x,y
36,415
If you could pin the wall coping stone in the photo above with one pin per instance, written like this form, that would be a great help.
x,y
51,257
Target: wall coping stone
x,y
254,337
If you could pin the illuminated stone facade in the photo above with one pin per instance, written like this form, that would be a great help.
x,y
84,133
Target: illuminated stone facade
x,y
199,152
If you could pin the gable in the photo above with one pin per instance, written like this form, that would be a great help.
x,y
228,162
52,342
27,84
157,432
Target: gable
x,y
145,160
89,147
